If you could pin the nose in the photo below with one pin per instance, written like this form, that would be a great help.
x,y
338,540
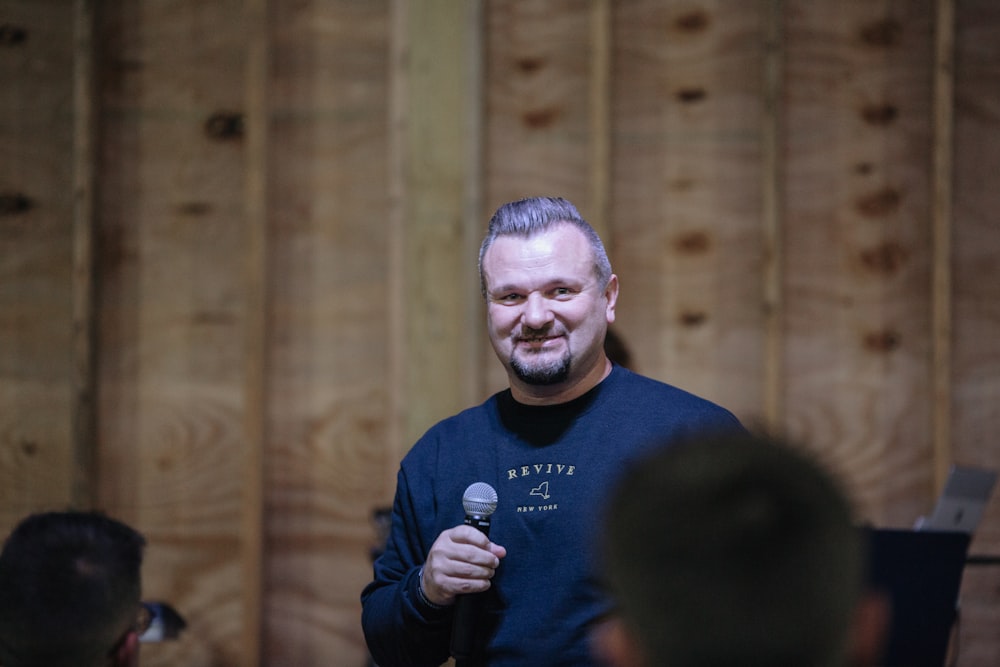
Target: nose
x,y
536,313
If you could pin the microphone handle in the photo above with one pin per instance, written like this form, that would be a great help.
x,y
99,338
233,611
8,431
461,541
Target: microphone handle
x,y
468,608
479,522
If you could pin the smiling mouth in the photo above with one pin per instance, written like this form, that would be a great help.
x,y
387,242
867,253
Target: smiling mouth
x,y
536,343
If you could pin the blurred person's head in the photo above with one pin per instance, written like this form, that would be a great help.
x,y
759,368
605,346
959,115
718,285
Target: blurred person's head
x,y
70,592
736,550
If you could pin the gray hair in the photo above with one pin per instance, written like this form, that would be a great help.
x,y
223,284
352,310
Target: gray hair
x,y
527,217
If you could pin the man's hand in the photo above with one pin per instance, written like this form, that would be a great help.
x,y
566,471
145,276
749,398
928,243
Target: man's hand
x,y
461,560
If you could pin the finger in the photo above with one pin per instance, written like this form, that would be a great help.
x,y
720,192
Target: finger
x,y
443,584
467,544
466,586
468,535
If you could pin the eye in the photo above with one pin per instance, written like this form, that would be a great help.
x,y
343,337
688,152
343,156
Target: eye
x,y
559,292
510,298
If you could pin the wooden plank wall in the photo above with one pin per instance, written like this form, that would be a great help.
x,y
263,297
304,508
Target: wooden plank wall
x,y
263,218
686,231
858,246
36,258
329,389
173,241
974,378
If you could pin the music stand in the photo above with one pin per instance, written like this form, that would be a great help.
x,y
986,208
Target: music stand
x,y
921,571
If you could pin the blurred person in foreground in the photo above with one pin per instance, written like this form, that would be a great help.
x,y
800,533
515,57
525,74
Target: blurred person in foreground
x,y
736,551
70,591
550,446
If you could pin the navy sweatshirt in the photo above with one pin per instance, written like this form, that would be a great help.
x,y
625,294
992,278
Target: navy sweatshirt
x,y
551,467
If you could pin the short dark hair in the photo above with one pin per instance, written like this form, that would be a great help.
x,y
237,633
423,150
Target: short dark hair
x,y
70,588
527,217
734,550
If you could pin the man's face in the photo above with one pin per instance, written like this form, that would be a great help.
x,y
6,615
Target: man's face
x,y
546,311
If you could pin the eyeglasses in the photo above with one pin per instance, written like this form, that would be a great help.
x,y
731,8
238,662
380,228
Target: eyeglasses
x,y
140,625
158,622
144,618
153,622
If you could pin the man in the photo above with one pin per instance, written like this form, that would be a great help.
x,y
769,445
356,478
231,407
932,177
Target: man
x,y
736,551
549,445
70,592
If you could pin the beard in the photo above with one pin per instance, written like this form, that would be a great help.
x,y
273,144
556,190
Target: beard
x,y
541,372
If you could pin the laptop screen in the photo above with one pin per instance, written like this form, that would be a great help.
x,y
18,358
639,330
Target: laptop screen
x,y
962,501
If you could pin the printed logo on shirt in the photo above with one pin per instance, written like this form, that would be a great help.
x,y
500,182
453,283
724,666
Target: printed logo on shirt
x,y
543,480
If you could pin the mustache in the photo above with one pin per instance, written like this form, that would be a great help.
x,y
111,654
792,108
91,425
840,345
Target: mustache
x,y
532,335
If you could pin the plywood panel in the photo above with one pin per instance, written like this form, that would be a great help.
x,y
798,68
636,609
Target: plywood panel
x,y
438,157
975,639
976,275
171,328
327,454
975,405
358,206
858,246
36,245
686,216
537,73
255,328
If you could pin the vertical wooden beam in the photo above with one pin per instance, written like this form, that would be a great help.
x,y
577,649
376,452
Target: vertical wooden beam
x,y
431,185
771,214
256,126
474,224
83,381
600,117
399,47
944,85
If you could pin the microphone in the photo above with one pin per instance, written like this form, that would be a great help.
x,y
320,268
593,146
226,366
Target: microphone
x,y
479,502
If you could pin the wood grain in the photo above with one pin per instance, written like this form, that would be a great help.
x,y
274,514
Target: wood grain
x,y
84,376
858,247
37,401
173,308
288,198
687,230
256,281
329,461
975,299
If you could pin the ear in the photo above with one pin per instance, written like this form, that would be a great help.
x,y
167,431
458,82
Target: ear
x,y
128,652
611,294
870,629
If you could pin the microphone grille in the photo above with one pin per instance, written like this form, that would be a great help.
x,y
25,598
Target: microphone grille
x,y
480,499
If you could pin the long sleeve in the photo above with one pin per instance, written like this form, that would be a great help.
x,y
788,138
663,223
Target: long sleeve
x,y
400,627
551,466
